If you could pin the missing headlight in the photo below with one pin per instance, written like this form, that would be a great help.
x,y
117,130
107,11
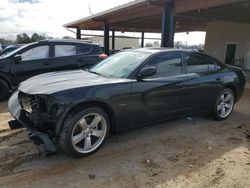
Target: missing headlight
x,y
41,104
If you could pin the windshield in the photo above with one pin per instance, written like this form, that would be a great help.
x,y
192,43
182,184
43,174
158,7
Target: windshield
x,y
120,65
5,52
14,51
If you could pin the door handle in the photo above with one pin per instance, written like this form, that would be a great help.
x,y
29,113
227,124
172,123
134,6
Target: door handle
x,y
79,61
45,63
218,79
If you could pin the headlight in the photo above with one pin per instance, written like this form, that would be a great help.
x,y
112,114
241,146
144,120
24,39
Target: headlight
x,y
41,104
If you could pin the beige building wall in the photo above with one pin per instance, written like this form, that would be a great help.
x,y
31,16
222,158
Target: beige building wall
x,y
219,34
120,43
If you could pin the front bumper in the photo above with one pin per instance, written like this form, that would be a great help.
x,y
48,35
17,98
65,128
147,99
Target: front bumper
x,y
21,116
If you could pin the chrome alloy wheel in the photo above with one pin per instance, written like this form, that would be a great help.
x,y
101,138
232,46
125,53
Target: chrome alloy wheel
x,y
225,104
89,132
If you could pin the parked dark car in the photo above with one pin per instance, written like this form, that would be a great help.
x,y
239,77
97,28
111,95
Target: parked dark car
x,y
78,109
45,56
9,49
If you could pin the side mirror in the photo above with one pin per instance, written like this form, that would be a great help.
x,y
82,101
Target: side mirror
x,y
146,72
18,58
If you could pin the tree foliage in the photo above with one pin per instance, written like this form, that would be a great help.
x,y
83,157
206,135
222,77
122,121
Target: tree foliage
x,y
22,38
35,37
6,41
25,39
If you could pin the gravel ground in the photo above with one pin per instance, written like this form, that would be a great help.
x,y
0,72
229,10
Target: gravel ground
x,y
187,152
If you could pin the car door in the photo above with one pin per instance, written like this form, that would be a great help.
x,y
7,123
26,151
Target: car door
x,y
158,96
35,60
64,56
202,84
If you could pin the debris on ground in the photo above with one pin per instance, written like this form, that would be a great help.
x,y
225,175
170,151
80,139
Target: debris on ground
x,y
92,176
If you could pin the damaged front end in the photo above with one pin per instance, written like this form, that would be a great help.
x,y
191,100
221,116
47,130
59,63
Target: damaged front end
x,y
38,113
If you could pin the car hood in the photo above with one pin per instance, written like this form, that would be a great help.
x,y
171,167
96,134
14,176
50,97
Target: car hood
x,y
3,59
64,80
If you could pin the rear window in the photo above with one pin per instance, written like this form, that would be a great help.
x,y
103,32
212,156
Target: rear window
x,y
196,63
65,50
84,49
212,64
98,50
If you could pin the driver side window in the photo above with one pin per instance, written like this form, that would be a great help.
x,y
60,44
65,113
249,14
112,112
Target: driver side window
x,y
166,65
40,52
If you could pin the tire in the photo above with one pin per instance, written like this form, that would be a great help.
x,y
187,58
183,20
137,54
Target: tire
x,y
224,104
4,90
85,132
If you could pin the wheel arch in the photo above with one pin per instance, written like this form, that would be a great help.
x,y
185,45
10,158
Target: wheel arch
x,y
7,81
104,106
234,89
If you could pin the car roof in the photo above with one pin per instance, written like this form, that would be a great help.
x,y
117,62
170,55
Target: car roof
x,y
158,50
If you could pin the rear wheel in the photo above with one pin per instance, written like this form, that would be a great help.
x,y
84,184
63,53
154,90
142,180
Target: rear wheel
x,y
85,132
4,90
224,104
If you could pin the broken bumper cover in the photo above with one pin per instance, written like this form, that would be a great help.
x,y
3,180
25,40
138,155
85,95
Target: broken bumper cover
x,y
21,116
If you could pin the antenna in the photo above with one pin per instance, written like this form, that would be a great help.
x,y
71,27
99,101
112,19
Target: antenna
x,y
90,10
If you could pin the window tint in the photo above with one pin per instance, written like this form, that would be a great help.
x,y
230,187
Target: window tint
x,y
39,52
85,49
65,50
212,65
96,50
167,65
196,64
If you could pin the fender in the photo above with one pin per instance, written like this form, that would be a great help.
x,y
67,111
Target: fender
x,y
76,107
7,80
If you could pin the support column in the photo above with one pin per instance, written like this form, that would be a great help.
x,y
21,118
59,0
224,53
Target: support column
x,y
168,25
113,39
78,33
106,38
142,39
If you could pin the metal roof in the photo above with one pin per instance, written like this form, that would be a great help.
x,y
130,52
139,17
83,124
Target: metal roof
x,y
145,15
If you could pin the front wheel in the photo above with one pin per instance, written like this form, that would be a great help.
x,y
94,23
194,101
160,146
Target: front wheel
x,y
85,132
224,104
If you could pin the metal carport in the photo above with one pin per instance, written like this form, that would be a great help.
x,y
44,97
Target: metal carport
x,y
163,16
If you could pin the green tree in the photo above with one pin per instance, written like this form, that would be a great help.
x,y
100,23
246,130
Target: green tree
x,y
35,37
6,41
22,39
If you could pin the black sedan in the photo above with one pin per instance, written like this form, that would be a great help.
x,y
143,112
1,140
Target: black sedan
x,y
76,110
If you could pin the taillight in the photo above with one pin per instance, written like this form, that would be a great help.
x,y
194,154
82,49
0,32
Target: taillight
x,y
103,56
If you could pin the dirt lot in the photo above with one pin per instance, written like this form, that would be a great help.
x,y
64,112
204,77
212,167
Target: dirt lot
x,y
188,152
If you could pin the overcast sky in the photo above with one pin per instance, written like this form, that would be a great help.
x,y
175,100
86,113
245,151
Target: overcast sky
x,y
48,16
